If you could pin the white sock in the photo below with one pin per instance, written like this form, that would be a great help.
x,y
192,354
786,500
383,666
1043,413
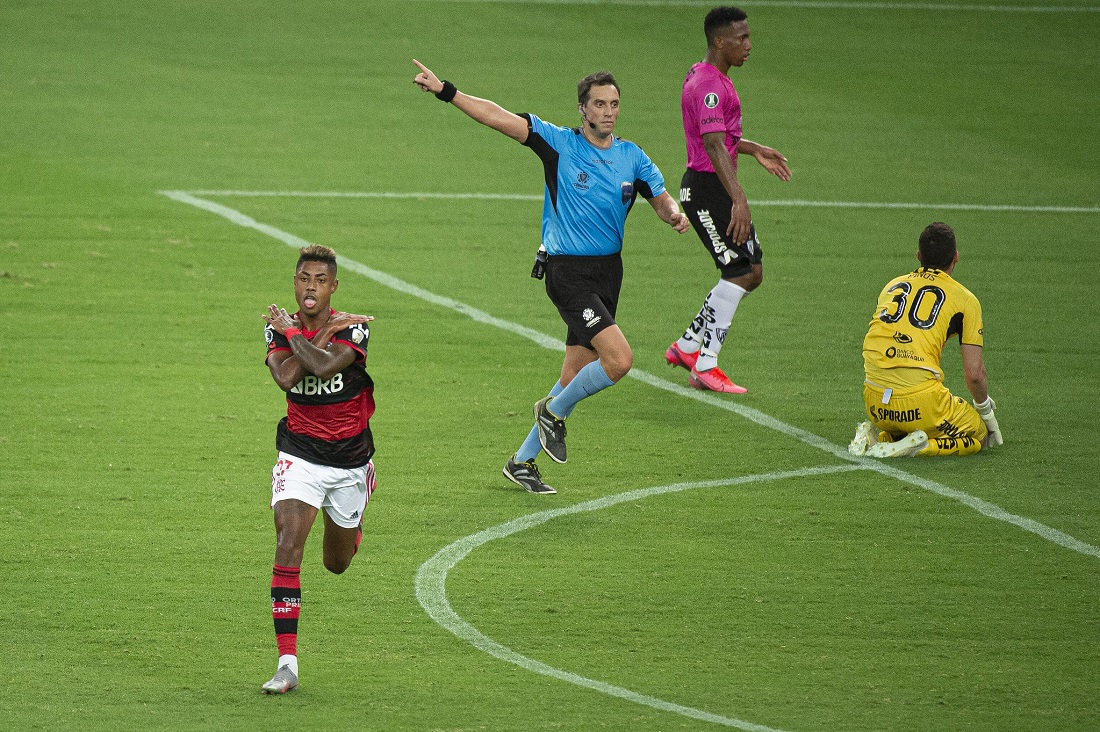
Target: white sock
x,y
716,316
288,660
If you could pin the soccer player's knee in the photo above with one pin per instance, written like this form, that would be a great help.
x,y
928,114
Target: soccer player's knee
x,y
617,366
337,565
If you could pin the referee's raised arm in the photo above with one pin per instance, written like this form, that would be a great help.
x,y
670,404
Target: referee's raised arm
x,y
485,111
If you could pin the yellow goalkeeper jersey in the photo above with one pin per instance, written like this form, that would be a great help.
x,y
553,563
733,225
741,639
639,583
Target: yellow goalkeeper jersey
x,y
915,315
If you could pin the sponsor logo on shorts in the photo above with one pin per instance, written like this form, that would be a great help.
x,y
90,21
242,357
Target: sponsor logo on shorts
x,y
685,195
952,431
895,415
949,445
590,318
711,100
724,255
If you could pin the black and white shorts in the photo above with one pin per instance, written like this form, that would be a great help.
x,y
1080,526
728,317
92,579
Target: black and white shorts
x,y
585,290
706,203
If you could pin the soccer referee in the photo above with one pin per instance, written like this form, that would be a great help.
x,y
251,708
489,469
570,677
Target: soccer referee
x,y
592,180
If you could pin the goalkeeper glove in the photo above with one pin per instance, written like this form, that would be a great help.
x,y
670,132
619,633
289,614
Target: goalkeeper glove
x,y
985,411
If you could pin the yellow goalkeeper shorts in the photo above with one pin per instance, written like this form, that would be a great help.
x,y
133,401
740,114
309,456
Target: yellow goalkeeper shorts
x,y
929,407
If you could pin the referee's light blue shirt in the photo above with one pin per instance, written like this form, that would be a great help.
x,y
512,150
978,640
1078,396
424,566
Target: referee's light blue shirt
x,y
589,191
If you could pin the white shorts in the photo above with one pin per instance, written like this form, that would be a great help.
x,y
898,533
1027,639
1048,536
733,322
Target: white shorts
x,y
342,492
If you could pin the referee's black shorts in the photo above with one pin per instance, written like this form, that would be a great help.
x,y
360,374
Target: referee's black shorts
x,y
706,203
585,290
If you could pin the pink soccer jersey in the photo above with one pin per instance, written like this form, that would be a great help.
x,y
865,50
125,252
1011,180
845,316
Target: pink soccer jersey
x,y
709,103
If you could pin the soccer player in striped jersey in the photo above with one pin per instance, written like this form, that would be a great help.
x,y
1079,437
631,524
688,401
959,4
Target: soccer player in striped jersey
x,y
713,198
910,410
318,357
592,180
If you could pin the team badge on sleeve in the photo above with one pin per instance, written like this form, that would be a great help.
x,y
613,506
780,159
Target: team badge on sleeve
x,y
359,333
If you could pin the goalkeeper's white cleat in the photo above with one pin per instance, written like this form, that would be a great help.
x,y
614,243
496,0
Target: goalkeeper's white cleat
x,y
866,438
907,446
283,681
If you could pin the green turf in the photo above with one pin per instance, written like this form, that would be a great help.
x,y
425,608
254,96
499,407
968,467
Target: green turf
x,y
139,429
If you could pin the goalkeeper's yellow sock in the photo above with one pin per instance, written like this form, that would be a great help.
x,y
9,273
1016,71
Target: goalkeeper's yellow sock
x,y
951,446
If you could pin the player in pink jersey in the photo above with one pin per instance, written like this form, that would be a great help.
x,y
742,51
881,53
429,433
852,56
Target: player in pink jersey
x,y
713,199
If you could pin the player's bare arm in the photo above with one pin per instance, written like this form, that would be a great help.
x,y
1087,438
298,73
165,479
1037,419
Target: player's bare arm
x,y
305,357
773,161
669,211
974,372
485,111
740,218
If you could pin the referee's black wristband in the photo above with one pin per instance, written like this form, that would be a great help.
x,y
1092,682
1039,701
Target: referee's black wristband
x,y
447,93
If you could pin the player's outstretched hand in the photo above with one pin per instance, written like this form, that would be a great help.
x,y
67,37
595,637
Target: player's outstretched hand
x,y
774,162
280,319
345,319
426,80
680,222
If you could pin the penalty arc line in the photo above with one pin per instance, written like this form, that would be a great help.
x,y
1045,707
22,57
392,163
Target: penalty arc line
x,y
985,508
431,588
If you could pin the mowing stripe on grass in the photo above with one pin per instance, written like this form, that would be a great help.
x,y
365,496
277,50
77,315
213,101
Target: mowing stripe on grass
x,y
431,587
531,197
983,507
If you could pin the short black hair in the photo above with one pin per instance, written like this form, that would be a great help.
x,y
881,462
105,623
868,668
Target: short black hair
x,y
937,246
317,253
721,17
599,78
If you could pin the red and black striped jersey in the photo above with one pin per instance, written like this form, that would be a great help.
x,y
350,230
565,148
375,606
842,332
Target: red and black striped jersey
x,y
328,420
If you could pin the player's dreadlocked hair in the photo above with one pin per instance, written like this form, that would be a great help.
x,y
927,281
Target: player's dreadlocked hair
x,y
937,246
317,253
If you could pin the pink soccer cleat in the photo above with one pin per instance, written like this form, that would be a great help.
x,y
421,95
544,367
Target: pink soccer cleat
x,y
678,357
715,380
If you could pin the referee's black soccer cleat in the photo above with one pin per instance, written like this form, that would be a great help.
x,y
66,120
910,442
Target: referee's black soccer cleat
x,y
527,475
551,430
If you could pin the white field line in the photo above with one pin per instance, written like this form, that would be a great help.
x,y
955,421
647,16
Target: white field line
x,y
431,587
809,4
431,578
983,507
794,203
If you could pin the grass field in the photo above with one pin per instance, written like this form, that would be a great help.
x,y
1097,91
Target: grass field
x,y
758,579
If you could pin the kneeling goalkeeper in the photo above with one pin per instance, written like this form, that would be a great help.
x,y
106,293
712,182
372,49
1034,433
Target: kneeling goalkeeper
x,y
910,410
